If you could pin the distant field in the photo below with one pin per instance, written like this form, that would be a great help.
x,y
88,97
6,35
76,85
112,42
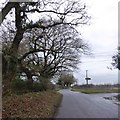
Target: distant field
x,y
96,90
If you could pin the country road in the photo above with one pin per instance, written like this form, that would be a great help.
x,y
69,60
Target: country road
x,y
79,105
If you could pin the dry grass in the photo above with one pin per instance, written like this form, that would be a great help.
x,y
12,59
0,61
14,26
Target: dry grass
x,y
31,105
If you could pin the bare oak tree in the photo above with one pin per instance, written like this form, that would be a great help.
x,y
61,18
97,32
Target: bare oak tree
x,y
50,14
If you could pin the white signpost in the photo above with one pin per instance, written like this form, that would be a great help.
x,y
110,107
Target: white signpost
x,y
87,78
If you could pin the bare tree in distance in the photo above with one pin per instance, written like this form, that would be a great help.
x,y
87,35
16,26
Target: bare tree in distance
x,y
66,80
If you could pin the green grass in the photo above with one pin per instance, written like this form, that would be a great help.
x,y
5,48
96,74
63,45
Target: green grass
x,y
31,105
96,90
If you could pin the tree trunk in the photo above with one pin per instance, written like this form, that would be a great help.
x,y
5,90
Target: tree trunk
x,y
27,72
9,74
12,60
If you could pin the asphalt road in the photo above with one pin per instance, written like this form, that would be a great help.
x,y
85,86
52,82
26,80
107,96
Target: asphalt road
x,y
79,105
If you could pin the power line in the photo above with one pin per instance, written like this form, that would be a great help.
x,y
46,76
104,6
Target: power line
x,y
95,61
103,54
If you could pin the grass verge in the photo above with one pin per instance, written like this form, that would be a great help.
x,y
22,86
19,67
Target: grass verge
x,y
96,90
31,105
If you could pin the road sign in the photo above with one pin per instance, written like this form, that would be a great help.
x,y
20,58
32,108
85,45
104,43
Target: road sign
x,y
88,78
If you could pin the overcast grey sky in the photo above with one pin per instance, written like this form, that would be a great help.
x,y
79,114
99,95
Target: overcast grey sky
x,y
102,35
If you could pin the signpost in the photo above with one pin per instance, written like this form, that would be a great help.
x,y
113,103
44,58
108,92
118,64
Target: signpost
x,y
87,78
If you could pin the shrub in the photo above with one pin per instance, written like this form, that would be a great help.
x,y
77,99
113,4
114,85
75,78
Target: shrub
x,y
38,87
20,86
50,86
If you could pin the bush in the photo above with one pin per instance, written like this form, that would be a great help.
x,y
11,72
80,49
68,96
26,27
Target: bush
x,y
50,86
19,86
38,87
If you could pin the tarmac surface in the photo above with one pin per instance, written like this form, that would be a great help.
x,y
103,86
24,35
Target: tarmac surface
x,y
80,105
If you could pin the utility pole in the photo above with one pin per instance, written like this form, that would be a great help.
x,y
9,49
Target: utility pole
x,y
87,78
